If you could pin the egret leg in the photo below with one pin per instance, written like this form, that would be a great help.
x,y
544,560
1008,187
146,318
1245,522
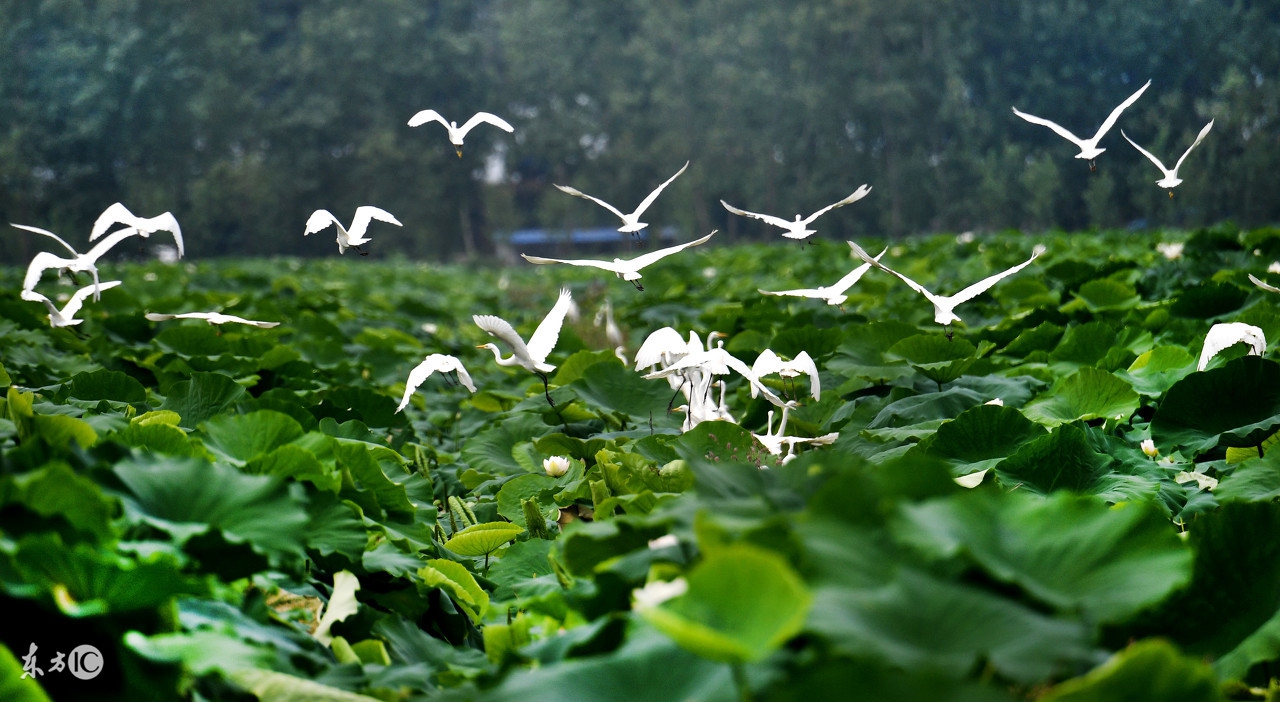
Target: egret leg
x,y
546,389
641,287
671,403
1093,165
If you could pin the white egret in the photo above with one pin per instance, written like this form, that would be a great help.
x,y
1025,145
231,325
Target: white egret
x,y
355,237
117,213
1170,179
612,334
1089,149
211,318
457,133
630,222
443,363
1222,336
86,262
716,362
769,362
799,228
944,305
627,269
833,294
532,356
65,317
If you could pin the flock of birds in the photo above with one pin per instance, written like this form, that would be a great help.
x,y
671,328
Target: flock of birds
x,y
691,367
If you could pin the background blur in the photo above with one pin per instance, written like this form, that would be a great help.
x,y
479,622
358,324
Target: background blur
x,y
243,116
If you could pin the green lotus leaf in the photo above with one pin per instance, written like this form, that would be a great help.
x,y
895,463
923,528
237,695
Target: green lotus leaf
x,y
1084,345
1089,393
1155,371
532,486
13,686
1061,460
483,539
1148,670
611,386
1208,300
194,339
239,438
56,489
982,436
158,437
4,377
281,687
461,584
742,603
61,430
1074,553
934,356
1236,404
107,385
204,396
202,652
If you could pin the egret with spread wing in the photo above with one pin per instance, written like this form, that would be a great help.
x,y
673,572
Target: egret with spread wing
x,y
627,269
799,229
456,133
630,222
532,356
1088,147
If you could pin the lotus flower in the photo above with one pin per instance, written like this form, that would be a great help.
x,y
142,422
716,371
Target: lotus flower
x,y
556,466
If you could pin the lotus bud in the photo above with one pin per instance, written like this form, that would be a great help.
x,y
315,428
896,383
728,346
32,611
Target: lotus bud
x,y
556,466
1149,448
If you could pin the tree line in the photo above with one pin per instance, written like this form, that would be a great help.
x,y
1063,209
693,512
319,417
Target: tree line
x,y
243,116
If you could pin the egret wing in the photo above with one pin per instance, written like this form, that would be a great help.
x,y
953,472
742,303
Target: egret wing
x,y
320,220
803,362
578,193
875,262
983,285
1263,284
364,214
606,265
775,221
1203,132
1150,156
661,341
49,234
115,214
77,299
425,116
1115,114
641,261
856,195
852,277
548,332
1061,131
644,204
488,118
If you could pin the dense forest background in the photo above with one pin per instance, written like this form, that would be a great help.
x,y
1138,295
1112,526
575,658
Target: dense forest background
x,y
243,116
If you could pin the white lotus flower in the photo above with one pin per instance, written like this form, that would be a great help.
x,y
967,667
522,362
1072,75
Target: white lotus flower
x,y
997,402
556,466
1149,448
1170,249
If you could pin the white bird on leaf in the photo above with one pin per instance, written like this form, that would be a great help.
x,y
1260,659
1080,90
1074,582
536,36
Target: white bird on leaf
x,y
798,229
627,269
456,133
944,305
532,356
65,317
354,237
211,318
1170,179
630,222
443,363
1088,147
833,294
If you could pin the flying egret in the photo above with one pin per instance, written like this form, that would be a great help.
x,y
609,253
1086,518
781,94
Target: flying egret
x,y
532,356
944,305
627,269
1222,336
443,363
1088,147
833,294
211,318
86,262
799,228
65,317
457,133
768,363
630,222
353,238
1170,179
117,213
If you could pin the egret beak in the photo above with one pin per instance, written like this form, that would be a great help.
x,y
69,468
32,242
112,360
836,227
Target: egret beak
x,y
1170,194
459,150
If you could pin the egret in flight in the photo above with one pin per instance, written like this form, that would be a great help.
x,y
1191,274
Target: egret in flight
x,y
833,294
532,356
1088,147
630,222
1170,179
456,133
117,213
443,363
944,305
799,229
86,262
65,317
211,318
627,269
354,237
